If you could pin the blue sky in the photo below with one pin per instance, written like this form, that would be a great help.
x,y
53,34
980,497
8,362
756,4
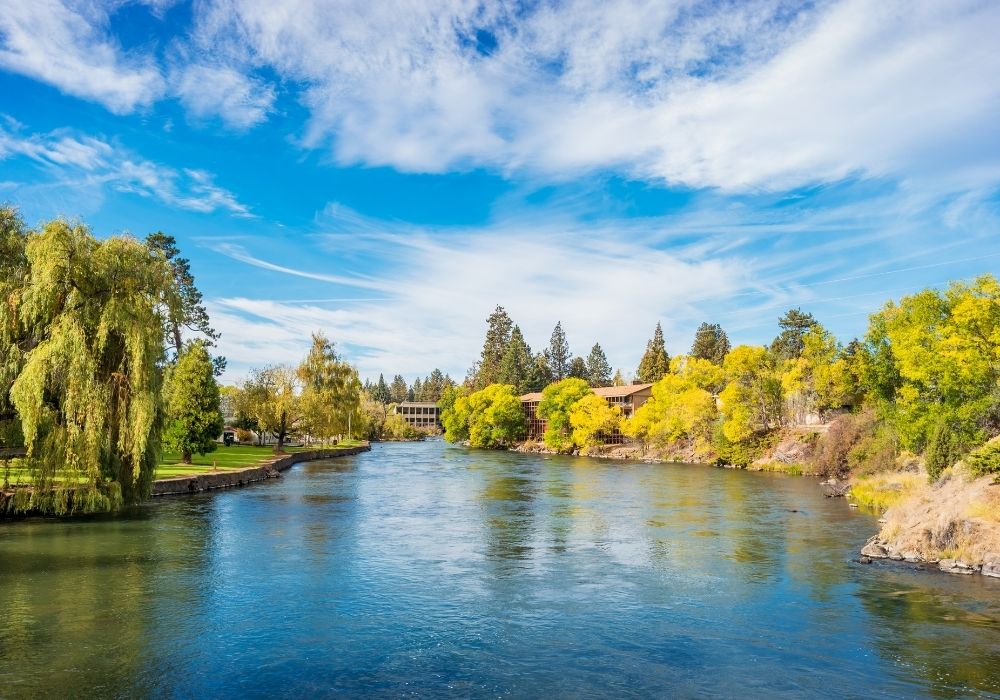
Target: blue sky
x,y
389,172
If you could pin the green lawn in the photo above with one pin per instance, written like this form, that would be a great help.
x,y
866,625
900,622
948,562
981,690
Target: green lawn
x,y
227,458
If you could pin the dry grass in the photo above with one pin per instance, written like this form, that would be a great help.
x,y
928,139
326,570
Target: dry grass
x,y
883,490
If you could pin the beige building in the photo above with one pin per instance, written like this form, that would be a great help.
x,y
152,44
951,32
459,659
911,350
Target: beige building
x,y
629,398
420,414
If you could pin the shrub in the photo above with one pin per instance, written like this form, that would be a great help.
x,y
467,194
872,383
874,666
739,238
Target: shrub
x,y
833,456
985,460
950,440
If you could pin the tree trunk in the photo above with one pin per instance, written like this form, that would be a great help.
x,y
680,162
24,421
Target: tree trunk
x,y
185,458
282,429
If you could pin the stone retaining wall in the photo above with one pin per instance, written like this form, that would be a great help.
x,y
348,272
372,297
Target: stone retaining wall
x,y
240,477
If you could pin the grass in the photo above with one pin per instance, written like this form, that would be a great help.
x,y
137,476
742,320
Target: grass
x,y
883,490
223,459
227,459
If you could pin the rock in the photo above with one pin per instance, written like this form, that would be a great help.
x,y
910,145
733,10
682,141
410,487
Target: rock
x,y
954,566
853,505
874,549
833,488
865,560
991,565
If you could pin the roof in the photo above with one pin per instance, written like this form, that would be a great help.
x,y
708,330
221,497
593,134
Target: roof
x,y
418,404
605,391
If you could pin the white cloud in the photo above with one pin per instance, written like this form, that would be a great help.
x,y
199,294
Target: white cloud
x,y
66,44
74,160
215,90
740,96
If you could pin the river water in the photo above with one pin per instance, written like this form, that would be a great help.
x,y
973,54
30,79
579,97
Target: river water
x,y
431,570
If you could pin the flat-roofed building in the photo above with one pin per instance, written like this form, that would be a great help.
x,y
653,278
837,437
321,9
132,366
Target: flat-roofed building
x,y
628,397
420,414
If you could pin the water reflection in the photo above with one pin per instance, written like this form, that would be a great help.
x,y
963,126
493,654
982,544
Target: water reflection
x,y
431,570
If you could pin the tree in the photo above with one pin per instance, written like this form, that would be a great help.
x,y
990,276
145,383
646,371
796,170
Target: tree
x,y
81,337
598,367
516,367
498,333
578,368
381,393
491,417
541,373
416,392
331,390
592,419
655,362
398,389
184,308
817,380
794,325
618,379
682,406
751,401
271,396
710,343
455,417
556,404
191,395
558,355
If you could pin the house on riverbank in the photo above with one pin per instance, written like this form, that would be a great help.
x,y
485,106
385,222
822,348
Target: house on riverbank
x,y
628,397
424,415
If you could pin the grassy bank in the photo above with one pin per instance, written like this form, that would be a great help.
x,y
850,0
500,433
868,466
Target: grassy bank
x,y
229,458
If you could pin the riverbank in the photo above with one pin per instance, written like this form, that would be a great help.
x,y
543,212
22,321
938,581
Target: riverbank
x,y
268,469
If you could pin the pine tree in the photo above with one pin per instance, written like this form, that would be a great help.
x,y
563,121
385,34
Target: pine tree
x,y
558,355
578,368
541,373
191,395
656,362
598,367
710,343
417,390
398,389
618,379
794,325
381,393
498,330
516,367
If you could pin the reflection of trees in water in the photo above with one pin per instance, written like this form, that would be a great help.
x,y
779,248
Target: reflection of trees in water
x,y
508,505
928,638
78,600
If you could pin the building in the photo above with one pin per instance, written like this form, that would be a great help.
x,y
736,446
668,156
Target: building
x,y
628,397
420,414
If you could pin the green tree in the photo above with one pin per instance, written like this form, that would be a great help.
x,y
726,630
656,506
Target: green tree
x,y
398,389
598,367
541,373
556,404
381,391
710,343
578,368
271,396
655,362
591,420
191,395
751,401
455,417
557,354
331,391
789,344
81,332
498,334
184,309
517,365
491,417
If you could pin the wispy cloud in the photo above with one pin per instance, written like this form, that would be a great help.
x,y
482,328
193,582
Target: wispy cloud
x,y
72,160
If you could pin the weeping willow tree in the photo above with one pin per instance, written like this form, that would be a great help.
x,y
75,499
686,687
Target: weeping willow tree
x,y
81,326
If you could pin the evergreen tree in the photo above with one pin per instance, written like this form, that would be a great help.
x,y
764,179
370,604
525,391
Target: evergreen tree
x,y
398,389
191,395
578,368
417,390
794,325
655,362
598,367
618,379
541,373
184,302
516,367
381,393
558,355
498,332
710,343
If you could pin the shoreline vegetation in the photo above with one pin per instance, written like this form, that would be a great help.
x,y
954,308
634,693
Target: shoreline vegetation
x,y
904,421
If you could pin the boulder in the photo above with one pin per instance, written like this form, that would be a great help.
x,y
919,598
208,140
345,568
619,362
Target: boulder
x,y
954,566
991,565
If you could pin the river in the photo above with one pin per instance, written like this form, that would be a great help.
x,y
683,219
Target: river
x,y
430,570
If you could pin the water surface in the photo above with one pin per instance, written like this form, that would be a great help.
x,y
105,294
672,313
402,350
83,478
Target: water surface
x,y
429,570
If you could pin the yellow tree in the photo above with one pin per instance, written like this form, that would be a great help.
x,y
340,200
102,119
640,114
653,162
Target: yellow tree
x,y
592,420
271,397
751,401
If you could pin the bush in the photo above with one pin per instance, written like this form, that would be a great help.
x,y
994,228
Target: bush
x,y
985,460
853,442
949,442
740,453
